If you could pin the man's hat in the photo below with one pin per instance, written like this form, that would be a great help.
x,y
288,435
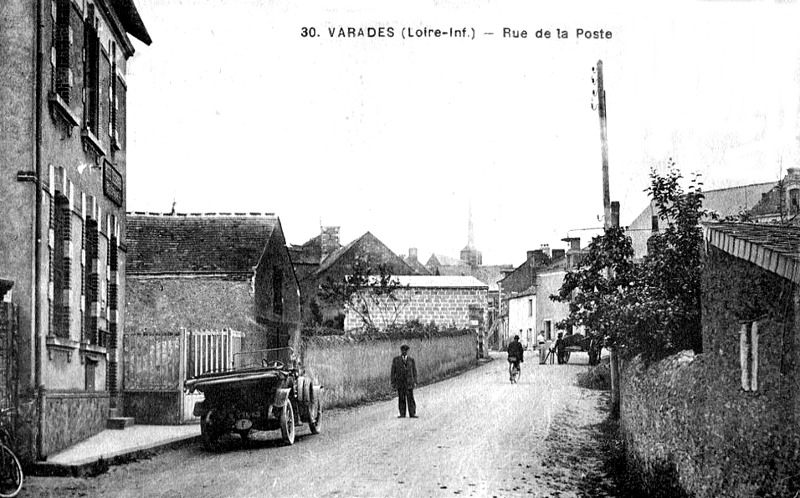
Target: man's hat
x,y
404,347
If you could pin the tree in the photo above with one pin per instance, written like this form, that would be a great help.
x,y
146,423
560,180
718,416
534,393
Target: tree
x,y
653,307
367,292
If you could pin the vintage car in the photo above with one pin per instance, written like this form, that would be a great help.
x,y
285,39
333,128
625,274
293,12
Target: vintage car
x,y
263,391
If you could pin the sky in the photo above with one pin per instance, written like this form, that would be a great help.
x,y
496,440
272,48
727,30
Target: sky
x,y
232,109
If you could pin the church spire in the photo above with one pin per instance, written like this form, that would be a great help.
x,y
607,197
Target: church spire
x,y
469,254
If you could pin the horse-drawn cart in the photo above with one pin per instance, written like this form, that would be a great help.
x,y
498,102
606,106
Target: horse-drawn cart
x,y
574,343
263,391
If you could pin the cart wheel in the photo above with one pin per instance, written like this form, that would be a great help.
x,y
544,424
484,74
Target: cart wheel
x,y
314,416
287,423
208,434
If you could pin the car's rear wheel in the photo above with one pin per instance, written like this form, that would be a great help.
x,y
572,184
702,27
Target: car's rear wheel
x,y
287,423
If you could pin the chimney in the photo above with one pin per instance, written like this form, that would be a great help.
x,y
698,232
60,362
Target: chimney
x,y
412,253
329,241
545,248
558,254
574,243
530,255
615,214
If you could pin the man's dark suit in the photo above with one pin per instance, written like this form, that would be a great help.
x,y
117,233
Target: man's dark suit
x,y
404,379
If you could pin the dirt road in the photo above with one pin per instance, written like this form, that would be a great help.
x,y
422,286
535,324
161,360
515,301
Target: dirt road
x,y
476,435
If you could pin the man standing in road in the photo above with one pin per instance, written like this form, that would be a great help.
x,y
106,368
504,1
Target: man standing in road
x,y
404,380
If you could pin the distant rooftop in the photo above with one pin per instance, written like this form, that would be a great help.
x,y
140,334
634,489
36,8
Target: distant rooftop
x,y
434,281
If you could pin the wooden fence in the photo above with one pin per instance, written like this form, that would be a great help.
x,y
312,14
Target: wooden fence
x,y
156,364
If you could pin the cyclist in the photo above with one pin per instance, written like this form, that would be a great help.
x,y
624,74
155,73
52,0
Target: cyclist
x,y
515,353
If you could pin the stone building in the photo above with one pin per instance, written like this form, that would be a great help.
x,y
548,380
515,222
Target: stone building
x,y
339,263
219,275
724,422
63,242
448,301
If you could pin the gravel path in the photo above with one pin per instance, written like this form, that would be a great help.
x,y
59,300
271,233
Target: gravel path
x,y
476,435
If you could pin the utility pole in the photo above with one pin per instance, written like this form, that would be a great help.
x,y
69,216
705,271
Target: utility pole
x,y
600,93
610,218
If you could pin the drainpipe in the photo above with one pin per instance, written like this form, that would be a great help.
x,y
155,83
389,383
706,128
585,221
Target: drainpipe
x,y
37,271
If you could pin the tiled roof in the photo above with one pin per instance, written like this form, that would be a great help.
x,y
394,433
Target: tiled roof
x,y
445,261
365,241
131,21
197,243
776,248
308,253
489,274
416,266
335,255
729,201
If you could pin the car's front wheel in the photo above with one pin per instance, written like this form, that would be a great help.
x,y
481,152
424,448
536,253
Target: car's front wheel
x,y
287,423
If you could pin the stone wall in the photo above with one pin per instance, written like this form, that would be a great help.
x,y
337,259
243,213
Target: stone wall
x,y
356,371
686,420
446,306
72,417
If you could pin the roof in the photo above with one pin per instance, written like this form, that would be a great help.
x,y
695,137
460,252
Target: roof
x,y
436,281
725,201
775,248
308,253
416,265
367,238
445,261
559,264
729,201
130,19
197,243
530,291
489,274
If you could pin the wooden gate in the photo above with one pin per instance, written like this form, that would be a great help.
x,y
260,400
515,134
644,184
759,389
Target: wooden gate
x,y
157,363
207,351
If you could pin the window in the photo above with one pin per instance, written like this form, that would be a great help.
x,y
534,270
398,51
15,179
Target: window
x,y
548,330
60,51
277,291
654,223
748,355
91,77
113,103
530,307
61,266
794,201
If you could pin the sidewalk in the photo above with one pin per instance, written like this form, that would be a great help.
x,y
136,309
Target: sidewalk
x,y
110,447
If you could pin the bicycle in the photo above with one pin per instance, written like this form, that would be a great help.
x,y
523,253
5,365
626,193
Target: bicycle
x,y
513,369
10,469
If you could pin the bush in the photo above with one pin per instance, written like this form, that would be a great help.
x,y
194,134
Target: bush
x,y
320,331
412,329
597,377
